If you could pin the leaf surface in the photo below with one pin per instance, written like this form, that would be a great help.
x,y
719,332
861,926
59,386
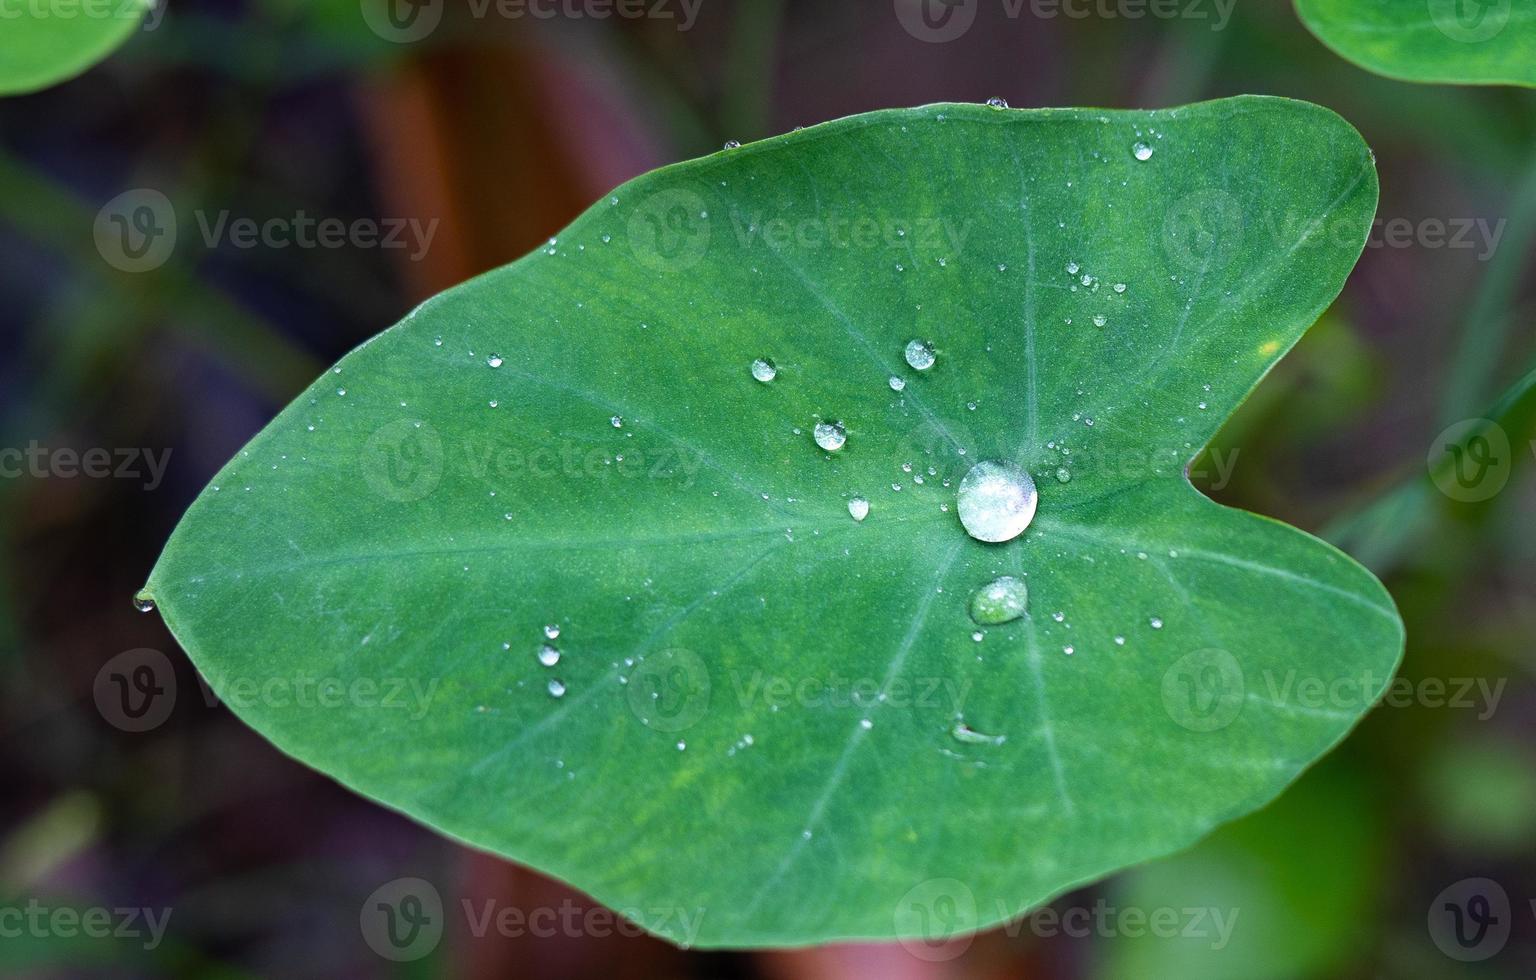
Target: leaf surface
x,y
777,725
1475,42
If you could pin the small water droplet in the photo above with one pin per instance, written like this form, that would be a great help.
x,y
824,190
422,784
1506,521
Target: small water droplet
x,y
1142,151
830,435
549,656
552,631
1157,623
764,370
996,501
866,724
897,384
143,603
919,354
858,508
733,144
1063,475
970,736
1001,600
494,360
1100,319
556,689
1119,641
997,103
1073,268
682,746
617,422
1119,287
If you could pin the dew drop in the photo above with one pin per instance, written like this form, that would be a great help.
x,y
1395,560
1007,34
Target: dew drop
x,y
830,436
1100,319
733,144
997,102
920,354
858,508
996,501
143,603
1063,475
552,631
897,384
1142,151
556,689
764,370
549,656
970,736
1156,622
1001,600
495,361
617,421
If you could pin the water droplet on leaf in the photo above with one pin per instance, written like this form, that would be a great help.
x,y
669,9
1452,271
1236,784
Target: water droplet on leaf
x,y
1000,601
996,501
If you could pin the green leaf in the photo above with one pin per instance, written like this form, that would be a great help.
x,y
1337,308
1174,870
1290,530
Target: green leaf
x,y
50,42
1473,42
777,727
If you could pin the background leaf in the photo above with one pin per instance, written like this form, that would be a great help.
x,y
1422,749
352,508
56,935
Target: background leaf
x,y
777,723
1487,42
47,43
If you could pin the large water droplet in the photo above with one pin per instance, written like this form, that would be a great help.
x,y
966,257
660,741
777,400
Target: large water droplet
x,y
997,501
920,354
830,436
763,370
1000,601
858,508
143,603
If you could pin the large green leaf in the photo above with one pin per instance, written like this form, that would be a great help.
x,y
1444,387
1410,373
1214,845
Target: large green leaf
x,y
49,41
1479,42
726,628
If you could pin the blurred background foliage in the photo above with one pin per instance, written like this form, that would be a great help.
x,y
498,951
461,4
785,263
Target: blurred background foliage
x,y
503,129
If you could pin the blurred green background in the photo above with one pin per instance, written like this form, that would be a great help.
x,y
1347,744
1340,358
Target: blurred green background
x,y
499,123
